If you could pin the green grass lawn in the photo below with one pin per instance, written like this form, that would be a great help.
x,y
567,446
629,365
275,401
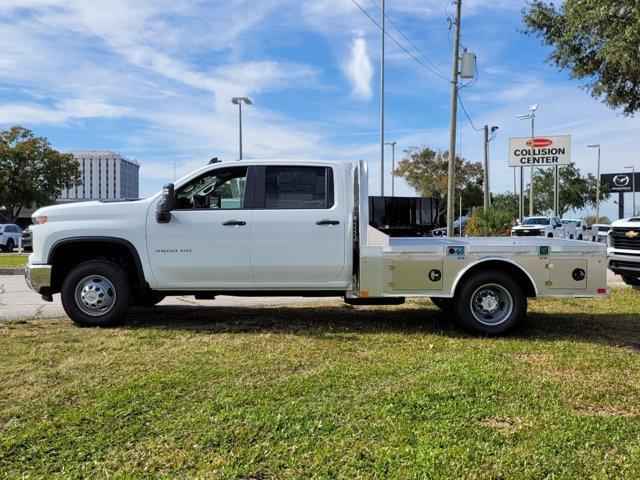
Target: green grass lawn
x,y
13,260
325,392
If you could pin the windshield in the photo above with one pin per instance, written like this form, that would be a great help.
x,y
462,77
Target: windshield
x,y
569,222
603,229
536,221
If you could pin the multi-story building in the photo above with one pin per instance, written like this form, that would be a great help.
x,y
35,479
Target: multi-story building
x,y
104,175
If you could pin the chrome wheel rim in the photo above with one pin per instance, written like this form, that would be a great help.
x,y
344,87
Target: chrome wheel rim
x,y
95,295
491,304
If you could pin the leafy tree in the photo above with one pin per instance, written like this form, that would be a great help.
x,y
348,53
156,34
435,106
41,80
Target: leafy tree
x,y
493,222
591,219
577,191
597,40
31,172
506,201
426,171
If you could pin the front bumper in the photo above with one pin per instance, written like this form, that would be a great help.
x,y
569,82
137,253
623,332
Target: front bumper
x,y
624,264
38,278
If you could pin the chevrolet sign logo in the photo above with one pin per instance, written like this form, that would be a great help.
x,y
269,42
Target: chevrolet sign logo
x,y
631,234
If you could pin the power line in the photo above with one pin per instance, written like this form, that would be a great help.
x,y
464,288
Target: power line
x,y
467,114
410,42
398,43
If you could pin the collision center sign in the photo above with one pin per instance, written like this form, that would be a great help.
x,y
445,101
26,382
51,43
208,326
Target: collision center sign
x,y
540,151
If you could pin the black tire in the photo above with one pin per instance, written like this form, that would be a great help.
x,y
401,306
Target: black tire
x,y
101,276
10,245
505,289
444,304
570,237
631,280
550,235
580,237
148,299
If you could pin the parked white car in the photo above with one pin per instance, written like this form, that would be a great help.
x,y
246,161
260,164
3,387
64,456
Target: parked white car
x,y
10,235
550,227
297,228
576,229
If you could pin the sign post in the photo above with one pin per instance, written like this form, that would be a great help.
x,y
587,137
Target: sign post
x,y
541,152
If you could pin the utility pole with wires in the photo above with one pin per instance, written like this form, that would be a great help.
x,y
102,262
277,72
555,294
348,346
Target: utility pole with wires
x,y
453,118
393,165
382,22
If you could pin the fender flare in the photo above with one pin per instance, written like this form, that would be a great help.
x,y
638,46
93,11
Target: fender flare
x,y
95,239
492,259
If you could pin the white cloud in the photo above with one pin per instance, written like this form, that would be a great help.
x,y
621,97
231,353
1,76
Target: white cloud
x,y
358,68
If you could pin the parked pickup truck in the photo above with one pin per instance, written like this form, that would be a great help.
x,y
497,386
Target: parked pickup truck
x,y
298,228
624,249
576,229
550,227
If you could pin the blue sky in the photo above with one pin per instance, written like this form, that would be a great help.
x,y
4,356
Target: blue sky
x,y
153,79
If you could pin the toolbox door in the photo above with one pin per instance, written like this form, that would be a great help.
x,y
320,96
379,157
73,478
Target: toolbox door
x,y
416,274
567,274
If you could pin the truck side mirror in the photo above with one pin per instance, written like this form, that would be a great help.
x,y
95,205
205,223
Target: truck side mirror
x,y
166,204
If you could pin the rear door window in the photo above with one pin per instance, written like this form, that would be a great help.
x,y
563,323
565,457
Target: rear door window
x,y
290,187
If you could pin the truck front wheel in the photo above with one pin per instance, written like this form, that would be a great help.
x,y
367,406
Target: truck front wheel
x,y
489,303
96,293
631,280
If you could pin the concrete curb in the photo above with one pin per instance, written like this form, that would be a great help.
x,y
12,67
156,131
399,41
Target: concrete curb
x,y
12,271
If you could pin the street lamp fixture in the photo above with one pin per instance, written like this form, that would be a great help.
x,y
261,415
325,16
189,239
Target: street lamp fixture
x,y
239,101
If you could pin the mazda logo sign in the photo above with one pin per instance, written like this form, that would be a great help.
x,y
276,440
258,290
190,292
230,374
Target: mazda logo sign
x,y
621,180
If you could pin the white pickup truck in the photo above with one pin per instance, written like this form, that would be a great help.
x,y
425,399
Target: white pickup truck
x,y
297,228
624,249
550,227
576,229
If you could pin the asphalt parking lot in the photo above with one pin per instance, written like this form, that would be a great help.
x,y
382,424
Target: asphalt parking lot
x,y
17,301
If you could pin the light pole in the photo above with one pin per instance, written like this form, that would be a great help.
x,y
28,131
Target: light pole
x,y
382,21
532,116
633,187
393,165
597,145
486,186
239,101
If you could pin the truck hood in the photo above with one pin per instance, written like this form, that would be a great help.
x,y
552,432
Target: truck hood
x,y
91,210
633,222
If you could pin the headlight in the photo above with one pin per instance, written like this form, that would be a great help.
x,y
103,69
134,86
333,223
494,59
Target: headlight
x,y
39,220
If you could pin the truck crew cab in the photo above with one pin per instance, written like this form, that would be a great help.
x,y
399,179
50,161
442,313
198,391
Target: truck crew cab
x,y
296,228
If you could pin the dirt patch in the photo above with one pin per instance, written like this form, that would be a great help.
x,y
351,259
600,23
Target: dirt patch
x,y
608,411
504,426
531,357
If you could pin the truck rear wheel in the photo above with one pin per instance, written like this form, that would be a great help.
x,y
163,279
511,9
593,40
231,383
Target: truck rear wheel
x,y
489,303
96,293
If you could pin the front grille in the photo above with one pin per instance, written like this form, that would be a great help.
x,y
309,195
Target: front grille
x,y
527,233
619,238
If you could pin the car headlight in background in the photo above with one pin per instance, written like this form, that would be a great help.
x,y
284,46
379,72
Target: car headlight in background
x,y
39,220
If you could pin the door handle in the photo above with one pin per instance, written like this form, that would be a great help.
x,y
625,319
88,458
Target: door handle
x,y
234,223
327,222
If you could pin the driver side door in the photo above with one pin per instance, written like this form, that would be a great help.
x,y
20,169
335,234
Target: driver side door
x,y
205,245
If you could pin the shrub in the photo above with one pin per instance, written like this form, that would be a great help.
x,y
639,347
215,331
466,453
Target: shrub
x,y
494,222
